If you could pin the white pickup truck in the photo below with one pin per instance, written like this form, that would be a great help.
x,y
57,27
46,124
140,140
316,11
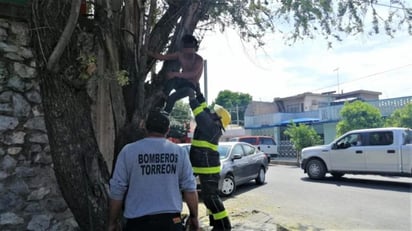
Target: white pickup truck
x,y
378,151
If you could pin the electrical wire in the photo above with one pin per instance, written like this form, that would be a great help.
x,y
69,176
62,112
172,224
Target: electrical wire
x,y
366,76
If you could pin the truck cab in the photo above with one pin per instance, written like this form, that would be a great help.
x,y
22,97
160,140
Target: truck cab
x,y
381,151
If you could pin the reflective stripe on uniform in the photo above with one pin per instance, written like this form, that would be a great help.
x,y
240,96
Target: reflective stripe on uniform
x,y
206,170
204,144
220,215
204,105
199,109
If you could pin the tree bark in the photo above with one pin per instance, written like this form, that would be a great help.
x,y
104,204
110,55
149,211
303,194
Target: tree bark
x,y
80,170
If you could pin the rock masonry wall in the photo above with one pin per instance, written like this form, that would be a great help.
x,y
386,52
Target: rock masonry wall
x,y
29,195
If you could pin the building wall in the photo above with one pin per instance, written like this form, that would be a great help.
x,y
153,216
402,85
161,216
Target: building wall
x,y
329,130
30,197
304,102
313,102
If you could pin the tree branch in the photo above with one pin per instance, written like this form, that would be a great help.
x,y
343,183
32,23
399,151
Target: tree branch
x,y
65,37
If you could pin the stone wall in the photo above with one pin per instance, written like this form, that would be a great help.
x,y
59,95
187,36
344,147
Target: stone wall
x,y
29,195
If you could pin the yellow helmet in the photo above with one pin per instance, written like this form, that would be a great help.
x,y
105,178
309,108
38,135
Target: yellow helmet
x,y
223,114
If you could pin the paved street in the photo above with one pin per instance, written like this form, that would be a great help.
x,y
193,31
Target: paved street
x,y
289,199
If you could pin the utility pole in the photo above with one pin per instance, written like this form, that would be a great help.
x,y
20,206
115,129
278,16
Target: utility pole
x,y
237,114
337,77
205,79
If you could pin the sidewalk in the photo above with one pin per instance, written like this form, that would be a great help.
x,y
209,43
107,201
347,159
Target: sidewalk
x,y
253,219
292,161
243,220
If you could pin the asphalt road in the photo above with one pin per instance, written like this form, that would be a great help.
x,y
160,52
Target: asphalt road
x,y
356,202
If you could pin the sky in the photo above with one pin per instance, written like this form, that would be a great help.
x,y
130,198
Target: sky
x,y
375,63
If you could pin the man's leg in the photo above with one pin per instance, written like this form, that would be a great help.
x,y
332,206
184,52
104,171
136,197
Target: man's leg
x,y
178,94
219,217
176,83
170,84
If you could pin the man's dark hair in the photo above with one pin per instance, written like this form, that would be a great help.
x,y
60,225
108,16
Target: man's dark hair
x,y
189,41
157,122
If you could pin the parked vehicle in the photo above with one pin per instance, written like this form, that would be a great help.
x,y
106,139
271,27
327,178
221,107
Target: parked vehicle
x,y
265,143
378,151
240,162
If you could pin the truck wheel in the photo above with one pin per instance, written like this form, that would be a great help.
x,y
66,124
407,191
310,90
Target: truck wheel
x,y
316,169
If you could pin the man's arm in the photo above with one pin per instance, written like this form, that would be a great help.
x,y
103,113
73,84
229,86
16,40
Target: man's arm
x,y
201,113
172,56
192,202
118,186
115,209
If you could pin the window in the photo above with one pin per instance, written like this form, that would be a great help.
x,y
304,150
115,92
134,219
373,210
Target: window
x,y
407,136
249,150
266,140
314,102
293,108
381,138
223,151
237,149
250,140
356,139
350,140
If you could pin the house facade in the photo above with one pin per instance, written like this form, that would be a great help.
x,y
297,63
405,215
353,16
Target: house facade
x,y
321,111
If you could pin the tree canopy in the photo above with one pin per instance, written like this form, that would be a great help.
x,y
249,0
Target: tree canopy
x,y
358,115
302,136
180,118
401,117
334,20
235,103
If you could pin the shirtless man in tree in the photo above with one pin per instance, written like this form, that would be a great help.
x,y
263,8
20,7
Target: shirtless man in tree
x,y
188,78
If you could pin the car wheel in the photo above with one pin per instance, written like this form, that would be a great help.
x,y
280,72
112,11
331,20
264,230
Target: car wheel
x,y
260,179
316,169
228,186
337,174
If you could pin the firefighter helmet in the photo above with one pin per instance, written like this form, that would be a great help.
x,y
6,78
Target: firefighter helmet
x,y
223,114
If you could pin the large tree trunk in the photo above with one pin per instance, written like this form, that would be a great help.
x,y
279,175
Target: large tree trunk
x,y
80,169
81,172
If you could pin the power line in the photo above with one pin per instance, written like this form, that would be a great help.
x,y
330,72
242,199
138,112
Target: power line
x,y
368,76
389,6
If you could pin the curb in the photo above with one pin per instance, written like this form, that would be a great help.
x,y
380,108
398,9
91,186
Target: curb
x,y
291,162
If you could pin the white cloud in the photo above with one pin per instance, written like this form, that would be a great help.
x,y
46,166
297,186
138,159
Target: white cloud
x,y
370,63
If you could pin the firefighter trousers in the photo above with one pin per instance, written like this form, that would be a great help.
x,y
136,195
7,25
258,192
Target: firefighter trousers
x,y
218,216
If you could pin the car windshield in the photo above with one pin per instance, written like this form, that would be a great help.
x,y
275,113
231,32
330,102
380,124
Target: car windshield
x,y
223,151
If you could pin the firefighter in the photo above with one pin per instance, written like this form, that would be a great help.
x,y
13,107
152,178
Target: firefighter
x,y
205,157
